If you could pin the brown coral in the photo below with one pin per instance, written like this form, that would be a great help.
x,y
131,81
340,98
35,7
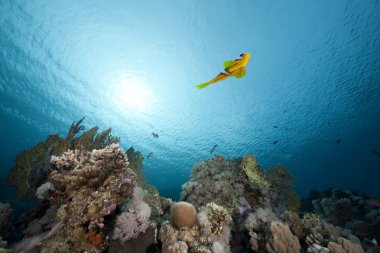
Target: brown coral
x,y
294,223
280,239
349,246
183,214
344,246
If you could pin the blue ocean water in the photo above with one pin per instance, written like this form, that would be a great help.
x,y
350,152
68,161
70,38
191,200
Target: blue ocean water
x,y
310,99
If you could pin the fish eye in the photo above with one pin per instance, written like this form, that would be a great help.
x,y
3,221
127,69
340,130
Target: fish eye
x,y
241,55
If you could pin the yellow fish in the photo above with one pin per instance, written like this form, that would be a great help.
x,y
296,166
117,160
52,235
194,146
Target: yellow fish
x,y
234,68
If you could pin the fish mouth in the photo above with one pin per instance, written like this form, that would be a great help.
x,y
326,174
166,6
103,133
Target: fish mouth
x,y
246,55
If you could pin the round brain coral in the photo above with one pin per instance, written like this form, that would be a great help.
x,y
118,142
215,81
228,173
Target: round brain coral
x,y
183,214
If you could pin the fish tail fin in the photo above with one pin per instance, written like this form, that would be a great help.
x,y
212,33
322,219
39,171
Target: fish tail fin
x,y
201,86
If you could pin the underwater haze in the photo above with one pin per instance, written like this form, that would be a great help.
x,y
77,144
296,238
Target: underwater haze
x,y
310,99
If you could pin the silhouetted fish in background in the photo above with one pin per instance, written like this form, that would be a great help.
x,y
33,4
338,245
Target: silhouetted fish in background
x,y
234,68
373,202
155,135
275,142
149,155
338,141
377,153
212,150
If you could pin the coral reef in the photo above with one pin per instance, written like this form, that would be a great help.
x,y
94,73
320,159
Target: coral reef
x,y
33,166
252,170
283,184
85,188
218,217
145,242
279,239
134,219
210,234
271,233
97,200
241,185
213,180
349,211
343,245
5,222
152,197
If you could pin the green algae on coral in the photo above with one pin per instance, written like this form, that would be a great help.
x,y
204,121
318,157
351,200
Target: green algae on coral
x,y
283,183
252,169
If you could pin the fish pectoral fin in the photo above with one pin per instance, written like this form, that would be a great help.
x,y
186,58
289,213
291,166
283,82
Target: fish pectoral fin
x,y
240,73
228,63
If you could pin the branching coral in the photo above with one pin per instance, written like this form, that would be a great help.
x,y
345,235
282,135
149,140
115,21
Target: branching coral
x,y
218,217
314,226
88,186
77,169
33,166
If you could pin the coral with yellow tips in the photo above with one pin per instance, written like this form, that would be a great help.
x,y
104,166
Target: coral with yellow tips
x,y
252,169
311,216
218,216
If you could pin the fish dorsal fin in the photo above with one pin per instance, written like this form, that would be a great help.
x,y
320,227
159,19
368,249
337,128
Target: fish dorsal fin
x,y
228,63
240,73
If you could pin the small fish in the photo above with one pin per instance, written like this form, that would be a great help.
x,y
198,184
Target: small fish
x,y
373,202
212,150
149,155
275,126
377,153
338,141
155,135
234,68
275,142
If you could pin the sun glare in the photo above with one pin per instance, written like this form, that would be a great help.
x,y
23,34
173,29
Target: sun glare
x,y
134,95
